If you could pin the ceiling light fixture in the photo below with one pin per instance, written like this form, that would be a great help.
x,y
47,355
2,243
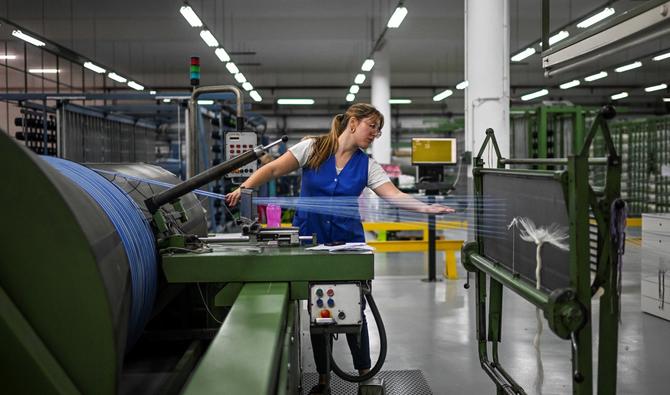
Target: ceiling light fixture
x,y
166,100
190,16
350,97
152,92
222,55
135,86
368,65
462,85
208,38
397,17
562,35
43,71
205,102
359,79
535,95
661,57
232,68
594,77
27,38
655,88
443,95
254,95
247,86
666,99
400,101
296,102
592,20
523,54
570,84
239,77
8,57
94,67
619,96
627,67
354,89
116,77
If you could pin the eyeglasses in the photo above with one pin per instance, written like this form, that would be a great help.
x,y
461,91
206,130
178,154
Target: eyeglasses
x,y
375,127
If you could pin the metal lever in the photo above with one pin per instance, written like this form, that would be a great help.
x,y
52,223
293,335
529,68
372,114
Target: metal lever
x,y
467,282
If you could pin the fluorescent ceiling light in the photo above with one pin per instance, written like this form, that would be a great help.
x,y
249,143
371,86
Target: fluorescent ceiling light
x,y
296,102
208,38
368,65
443,95
655,88
8,57
116,77
400,101
152,92
558,37
166,100
462,85
239,77
619,96
27,38
360,78
232,68
627,67
570,84
594,77
397,17
222,55
354,89
666,99
43,71
350,97
135,86
247,86
535,95
592,20
190,16
254,95
94,67
205,102
661,57
523,54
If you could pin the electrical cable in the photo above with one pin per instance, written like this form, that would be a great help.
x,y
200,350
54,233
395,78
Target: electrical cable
x,y
135,233
382,346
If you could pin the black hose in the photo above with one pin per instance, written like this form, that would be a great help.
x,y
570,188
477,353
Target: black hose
x,y
382,347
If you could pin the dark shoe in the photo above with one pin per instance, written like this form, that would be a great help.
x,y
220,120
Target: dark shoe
x,y
321,389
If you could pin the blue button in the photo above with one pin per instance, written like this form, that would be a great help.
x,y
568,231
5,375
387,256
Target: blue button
x,y
319,302
331,302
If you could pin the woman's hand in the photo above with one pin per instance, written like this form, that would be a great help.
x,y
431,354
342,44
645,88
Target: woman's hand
x,y
233,198
436,209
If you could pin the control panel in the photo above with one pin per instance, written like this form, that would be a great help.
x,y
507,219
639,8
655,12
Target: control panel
x,y
335,304
238,143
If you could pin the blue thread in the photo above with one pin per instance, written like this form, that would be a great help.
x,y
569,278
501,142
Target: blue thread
x,y
134,231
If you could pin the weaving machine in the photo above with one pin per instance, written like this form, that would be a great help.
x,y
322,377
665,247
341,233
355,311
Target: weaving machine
x,y
557,200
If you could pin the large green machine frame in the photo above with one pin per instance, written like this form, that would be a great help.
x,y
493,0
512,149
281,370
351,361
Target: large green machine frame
x,y
568,310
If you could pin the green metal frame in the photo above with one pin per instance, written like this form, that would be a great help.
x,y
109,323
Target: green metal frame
x,y
568,311
540,121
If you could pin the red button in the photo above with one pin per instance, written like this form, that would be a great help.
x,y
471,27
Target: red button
x,y
325,313
330,292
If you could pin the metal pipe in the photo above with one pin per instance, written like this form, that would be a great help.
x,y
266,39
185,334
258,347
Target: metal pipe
x,y
169,195
525,290
191,142
549,161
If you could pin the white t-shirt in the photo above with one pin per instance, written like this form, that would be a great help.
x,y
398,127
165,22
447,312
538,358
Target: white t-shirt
x,y
376,175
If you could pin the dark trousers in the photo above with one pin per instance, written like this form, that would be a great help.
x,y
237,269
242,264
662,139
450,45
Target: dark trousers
x,y
359,346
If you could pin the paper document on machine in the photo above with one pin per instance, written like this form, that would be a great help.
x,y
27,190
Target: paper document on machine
x,y
342,247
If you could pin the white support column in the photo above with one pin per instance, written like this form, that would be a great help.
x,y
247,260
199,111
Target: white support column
x,y
487,72
381,93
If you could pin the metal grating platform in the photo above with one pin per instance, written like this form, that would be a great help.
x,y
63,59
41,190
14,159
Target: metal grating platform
x,y
396,382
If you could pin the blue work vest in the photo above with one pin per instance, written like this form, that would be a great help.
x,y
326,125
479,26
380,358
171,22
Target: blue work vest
x,y
325,182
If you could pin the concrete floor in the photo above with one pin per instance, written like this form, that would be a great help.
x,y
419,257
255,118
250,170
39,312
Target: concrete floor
x,y
430,326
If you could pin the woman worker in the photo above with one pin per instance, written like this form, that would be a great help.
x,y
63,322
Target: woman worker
x,y
335,165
